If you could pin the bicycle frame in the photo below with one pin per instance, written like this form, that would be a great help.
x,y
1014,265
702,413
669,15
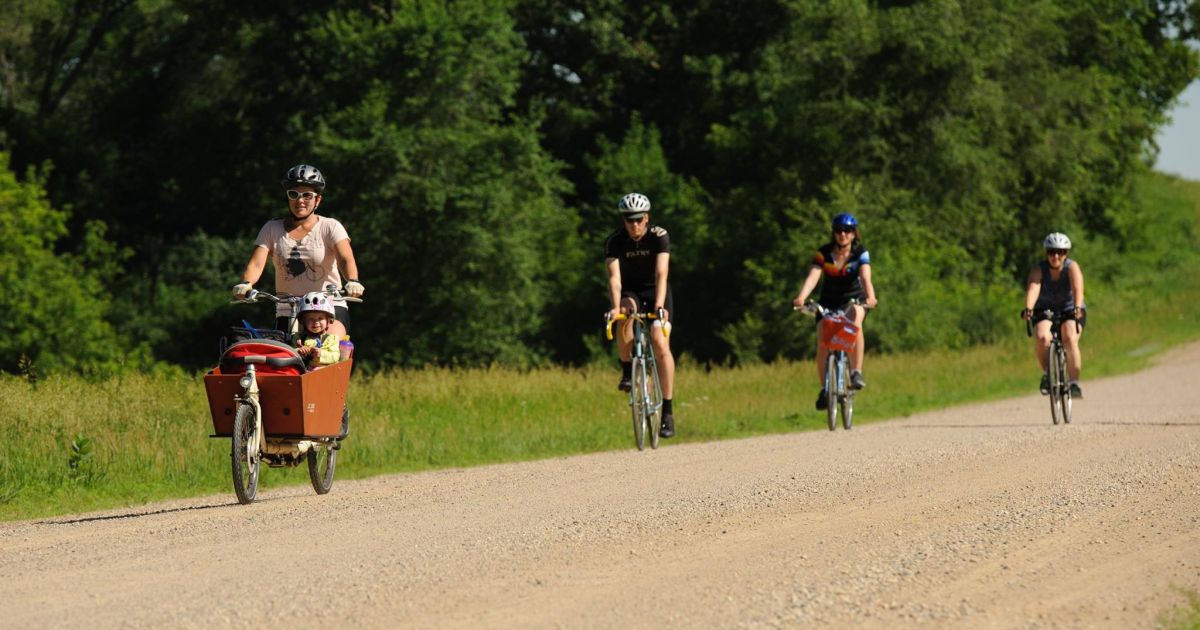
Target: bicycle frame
x,y
843,335
251,447
645,404
1056,366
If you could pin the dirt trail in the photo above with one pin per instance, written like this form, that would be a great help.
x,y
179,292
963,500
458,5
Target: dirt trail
x,y
985,515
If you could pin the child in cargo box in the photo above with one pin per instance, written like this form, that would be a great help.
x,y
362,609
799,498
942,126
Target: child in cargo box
x,y
320,331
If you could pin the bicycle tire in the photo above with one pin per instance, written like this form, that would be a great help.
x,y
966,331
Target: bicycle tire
x,y
1065,396
245,464
637,402
848,409
1055,384
654,401
831,389
322,461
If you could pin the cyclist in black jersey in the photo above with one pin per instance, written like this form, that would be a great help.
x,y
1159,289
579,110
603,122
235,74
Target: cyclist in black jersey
x,y
637,256
846,266
1056,284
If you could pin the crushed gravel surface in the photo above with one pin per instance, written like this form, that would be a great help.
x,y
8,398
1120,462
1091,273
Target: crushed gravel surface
x,y
978,516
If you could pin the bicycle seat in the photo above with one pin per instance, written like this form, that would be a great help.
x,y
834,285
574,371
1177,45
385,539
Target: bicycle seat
x,y
272,357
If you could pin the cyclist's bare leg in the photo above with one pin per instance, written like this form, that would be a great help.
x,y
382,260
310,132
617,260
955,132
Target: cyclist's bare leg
x,y
1070,337
857,314
625,330
666,362
1041,343
822,353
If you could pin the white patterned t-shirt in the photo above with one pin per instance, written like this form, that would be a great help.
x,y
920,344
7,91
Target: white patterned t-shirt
x,y
305,265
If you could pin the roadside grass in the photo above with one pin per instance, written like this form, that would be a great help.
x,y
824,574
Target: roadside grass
x,y
1183,617
73,445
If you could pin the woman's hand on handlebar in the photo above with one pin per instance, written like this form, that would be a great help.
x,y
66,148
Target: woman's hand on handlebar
x,y
242,289
1026,314
871,303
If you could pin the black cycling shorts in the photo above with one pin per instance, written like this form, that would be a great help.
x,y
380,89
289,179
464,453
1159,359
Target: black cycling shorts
x,y
645,301
1066,315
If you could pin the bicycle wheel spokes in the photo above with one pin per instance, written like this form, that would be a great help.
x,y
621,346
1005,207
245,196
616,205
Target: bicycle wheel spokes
x,y
653,401
831,389
1065,399
1056,384
637,402
244,458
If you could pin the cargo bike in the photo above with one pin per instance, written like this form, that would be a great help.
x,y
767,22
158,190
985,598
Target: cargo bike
x,y
275,409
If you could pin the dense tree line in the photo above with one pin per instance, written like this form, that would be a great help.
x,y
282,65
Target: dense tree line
x,y
475,151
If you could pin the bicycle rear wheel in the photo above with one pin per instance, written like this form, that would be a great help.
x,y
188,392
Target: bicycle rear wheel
x,y
322,460
831,389
637,402
654,401
244,455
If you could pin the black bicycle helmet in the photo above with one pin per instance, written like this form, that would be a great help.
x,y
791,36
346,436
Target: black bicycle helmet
x,y
304,175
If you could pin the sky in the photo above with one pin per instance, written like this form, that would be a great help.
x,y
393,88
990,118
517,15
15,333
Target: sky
x,y
1179,142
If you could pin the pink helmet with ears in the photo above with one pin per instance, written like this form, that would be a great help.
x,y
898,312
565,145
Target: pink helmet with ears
x,y
317,301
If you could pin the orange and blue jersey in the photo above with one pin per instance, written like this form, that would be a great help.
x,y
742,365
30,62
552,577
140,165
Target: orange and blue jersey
x,y
843,283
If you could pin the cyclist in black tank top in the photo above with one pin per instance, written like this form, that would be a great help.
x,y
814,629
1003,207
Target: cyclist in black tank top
x,y
1056,284
846,266
637,256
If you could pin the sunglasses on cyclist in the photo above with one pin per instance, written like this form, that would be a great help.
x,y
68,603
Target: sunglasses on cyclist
x,y
843,230
637,220
1056,252
307,195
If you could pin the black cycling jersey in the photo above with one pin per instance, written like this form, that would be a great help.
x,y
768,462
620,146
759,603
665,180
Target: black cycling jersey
x,y
637,258
1056,295
841,284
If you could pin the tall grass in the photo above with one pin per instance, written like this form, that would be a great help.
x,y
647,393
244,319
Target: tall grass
x,y
73,445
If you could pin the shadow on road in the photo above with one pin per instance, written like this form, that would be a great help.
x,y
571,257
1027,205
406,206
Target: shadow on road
x,y
114,517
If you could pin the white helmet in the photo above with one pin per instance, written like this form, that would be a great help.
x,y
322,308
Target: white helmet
x,y
1056,240
319,302
634,205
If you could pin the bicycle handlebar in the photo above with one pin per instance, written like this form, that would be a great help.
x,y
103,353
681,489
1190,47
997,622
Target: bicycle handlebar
x,y
254,295
609,319
813,308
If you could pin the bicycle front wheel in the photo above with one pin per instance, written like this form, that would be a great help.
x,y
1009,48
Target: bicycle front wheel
x,y
637,402
1064,402
1056,384
653,401
831,389
244,455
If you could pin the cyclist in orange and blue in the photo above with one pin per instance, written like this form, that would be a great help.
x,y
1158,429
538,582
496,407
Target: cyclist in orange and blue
x,y
846,266
1056,285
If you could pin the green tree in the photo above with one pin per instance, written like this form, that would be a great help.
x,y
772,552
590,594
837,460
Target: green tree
x,y
55,303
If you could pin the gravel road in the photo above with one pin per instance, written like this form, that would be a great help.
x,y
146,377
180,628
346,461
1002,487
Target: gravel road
x,y
981,516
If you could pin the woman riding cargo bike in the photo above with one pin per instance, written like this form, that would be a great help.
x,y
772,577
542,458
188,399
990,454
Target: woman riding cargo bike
x,y
845,265
310,254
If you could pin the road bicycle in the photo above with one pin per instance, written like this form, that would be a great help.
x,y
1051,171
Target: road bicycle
x,y
839,334
276,410
645,392
1060,387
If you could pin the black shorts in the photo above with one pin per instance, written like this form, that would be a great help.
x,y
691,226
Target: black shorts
x,y
845,308
645,301
1066,315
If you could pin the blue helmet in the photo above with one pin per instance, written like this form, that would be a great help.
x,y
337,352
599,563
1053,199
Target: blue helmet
x,y
845,219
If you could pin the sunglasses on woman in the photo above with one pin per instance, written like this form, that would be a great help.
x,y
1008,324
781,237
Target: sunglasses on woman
x,y
307,195
1056,252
